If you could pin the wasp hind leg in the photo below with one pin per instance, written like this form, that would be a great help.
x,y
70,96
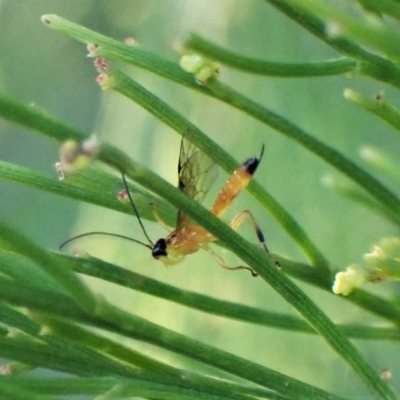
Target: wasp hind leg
x,y
222,263
238,220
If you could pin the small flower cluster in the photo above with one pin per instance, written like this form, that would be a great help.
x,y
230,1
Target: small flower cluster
x,y
353,277
75,156
202,68
384,264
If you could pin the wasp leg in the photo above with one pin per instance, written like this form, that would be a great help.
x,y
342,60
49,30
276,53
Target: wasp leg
x,y
158,218
223,263
238,220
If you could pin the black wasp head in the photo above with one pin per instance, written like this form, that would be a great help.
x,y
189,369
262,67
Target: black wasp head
x,y
159,249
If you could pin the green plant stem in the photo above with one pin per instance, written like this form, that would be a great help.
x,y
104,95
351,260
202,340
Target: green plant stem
x,y
10,391
16,242
103,344
354,193
100,269
368,301
161,110
379,107
34,119
96,385
382,194
277,69
114,320
256,259
111,273
91,186
50,129
245,251
115,50
67,330
383,309
54,357
11,317
372,66
373,34
388,7
70,353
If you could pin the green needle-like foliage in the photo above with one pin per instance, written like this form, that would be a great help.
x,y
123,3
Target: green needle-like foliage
x,y
52,317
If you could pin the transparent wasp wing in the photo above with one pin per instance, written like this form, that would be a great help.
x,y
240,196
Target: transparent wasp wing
x,y
196,172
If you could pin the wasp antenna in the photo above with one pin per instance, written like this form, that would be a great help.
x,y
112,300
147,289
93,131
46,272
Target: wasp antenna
x,y
136,211
261,153
105,234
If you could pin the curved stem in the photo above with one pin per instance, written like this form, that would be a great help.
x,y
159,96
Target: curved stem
x,y
283,70
257,259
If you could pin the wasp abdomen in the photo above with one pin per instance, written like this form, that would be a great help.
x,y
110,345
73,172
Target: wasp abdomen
x,y
235,184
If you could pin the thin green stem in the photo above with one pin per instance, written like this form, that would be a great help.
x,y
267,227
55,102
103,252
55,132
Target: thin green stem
x,y
115,320
372,65
388,7
257,260
378,106
16,242
373,34
113,49
92,186
328,154
20,113
117,351
277,280
67,330
11,317
34,119
284,70
354,193
8,390
137,93
55,357
129,387
65,348
112,273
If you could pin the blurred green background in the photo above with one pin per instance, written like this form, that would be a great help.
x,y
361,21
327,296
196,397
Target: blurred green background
x,y
42,67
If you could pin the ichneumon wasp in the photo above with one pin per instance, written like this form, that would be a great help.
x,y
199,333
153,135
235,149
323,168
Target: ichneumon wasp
x,y
196,173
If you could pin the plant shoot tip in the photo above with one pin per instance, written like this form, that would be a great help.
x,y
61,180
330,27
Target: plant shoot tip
x,y
46,19
348,94
202,68
386,374
105,81
333,29
129,41
91,48
101,64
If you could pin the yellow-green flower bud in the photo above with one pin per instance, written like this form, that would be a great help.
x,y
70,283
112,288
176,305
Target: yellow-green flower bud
x,y
353,277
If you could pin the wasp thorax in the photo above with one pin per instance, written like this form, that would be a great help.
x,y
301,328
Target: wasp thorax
x,y
159,249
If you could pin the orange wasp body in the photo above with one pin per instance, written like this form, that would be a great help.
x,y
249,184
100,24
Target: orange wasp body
x,y
195,177
196,173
